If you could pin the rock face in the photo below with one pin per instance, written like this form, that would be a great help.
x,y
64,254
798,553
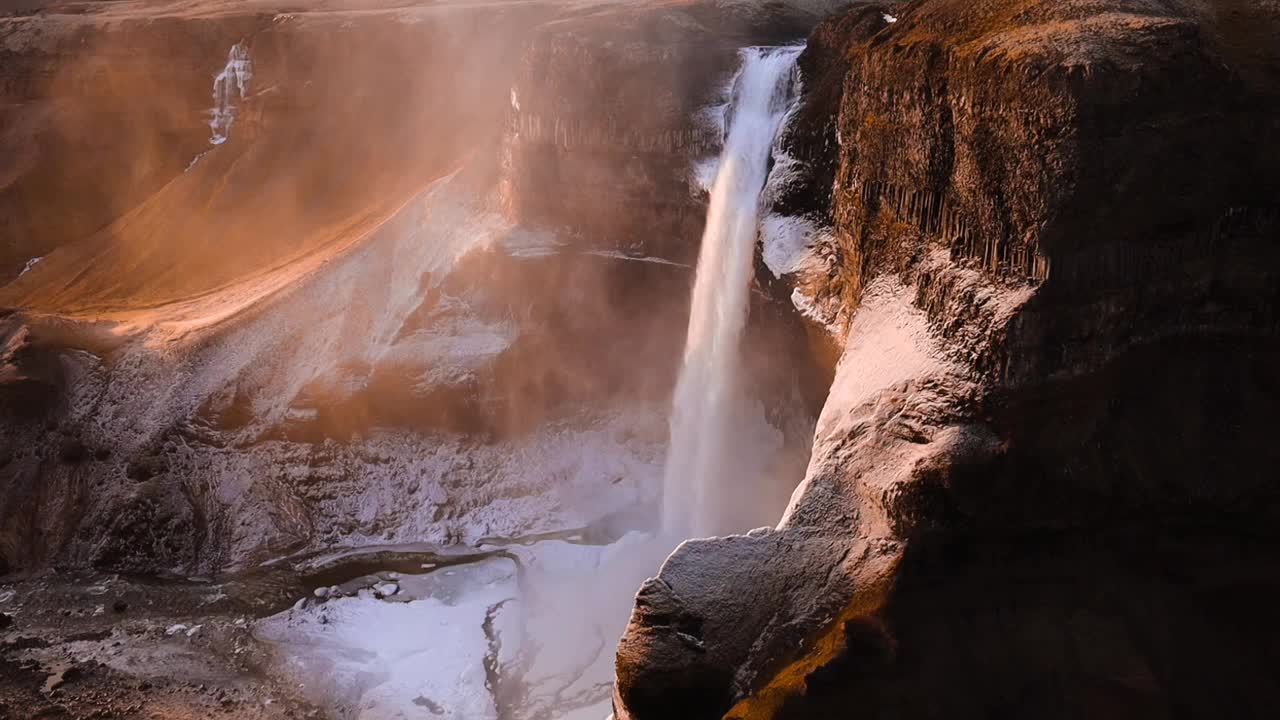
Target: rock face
x,y
1043,482
158,336
79,117
431,285
608,109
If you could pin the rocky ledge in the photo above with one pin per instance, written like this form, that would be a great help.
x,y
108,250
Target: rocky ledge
x,y
1043,483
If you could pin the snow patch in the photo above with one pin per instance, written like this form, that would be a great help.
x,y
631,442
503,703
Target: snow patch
x,y
888,343
786,242
301,324
195,160
449,353
30,264
523,242
619,255
714,117
528,633
704,173
824,312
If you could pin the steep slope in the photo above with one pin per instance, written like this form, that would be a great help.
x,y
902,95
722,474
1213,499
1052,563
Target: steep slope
x,y
329,140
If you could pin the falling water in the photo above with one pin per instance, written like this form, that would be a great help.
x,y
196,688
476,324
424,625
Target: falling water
x,y
229,86
702,460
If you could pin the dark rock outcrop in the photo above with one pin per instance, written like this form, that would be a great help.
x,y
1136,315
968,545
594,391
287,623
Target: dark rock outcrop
x,y
1043,483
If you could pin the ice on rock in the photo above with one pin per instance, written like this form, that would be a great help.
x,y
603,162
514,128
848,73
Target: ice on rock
x,y
229,86
378,657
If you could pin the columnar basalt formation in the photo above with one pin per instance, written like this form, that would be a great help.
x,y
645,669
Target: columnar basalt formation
x,y
1055,268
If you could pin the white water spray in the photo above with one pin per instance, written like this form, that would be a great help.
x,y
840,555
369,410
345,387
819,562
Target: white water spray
x,y
230,85
707,440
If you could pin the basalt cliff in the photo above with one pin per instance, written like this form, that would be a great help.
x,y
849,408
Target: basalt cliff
x,y
294,299
1043,482
290,295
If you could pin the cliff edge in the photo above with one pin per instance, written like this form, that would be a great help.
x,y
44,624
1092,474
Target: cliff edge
x,y
1043,483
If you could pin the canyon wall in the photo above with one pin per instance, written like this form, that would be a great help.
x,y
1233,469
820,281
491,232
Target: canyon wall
x,y
339,128
1043,482
430,285
202,300
609,108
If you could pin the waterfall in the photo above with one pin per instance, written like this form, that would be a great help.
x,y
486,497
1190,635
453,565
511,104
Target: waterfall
x,y
708,443
230,85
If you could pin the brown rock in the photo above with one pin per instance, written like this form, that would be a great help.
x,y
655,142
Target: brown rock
x,y
1048,442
